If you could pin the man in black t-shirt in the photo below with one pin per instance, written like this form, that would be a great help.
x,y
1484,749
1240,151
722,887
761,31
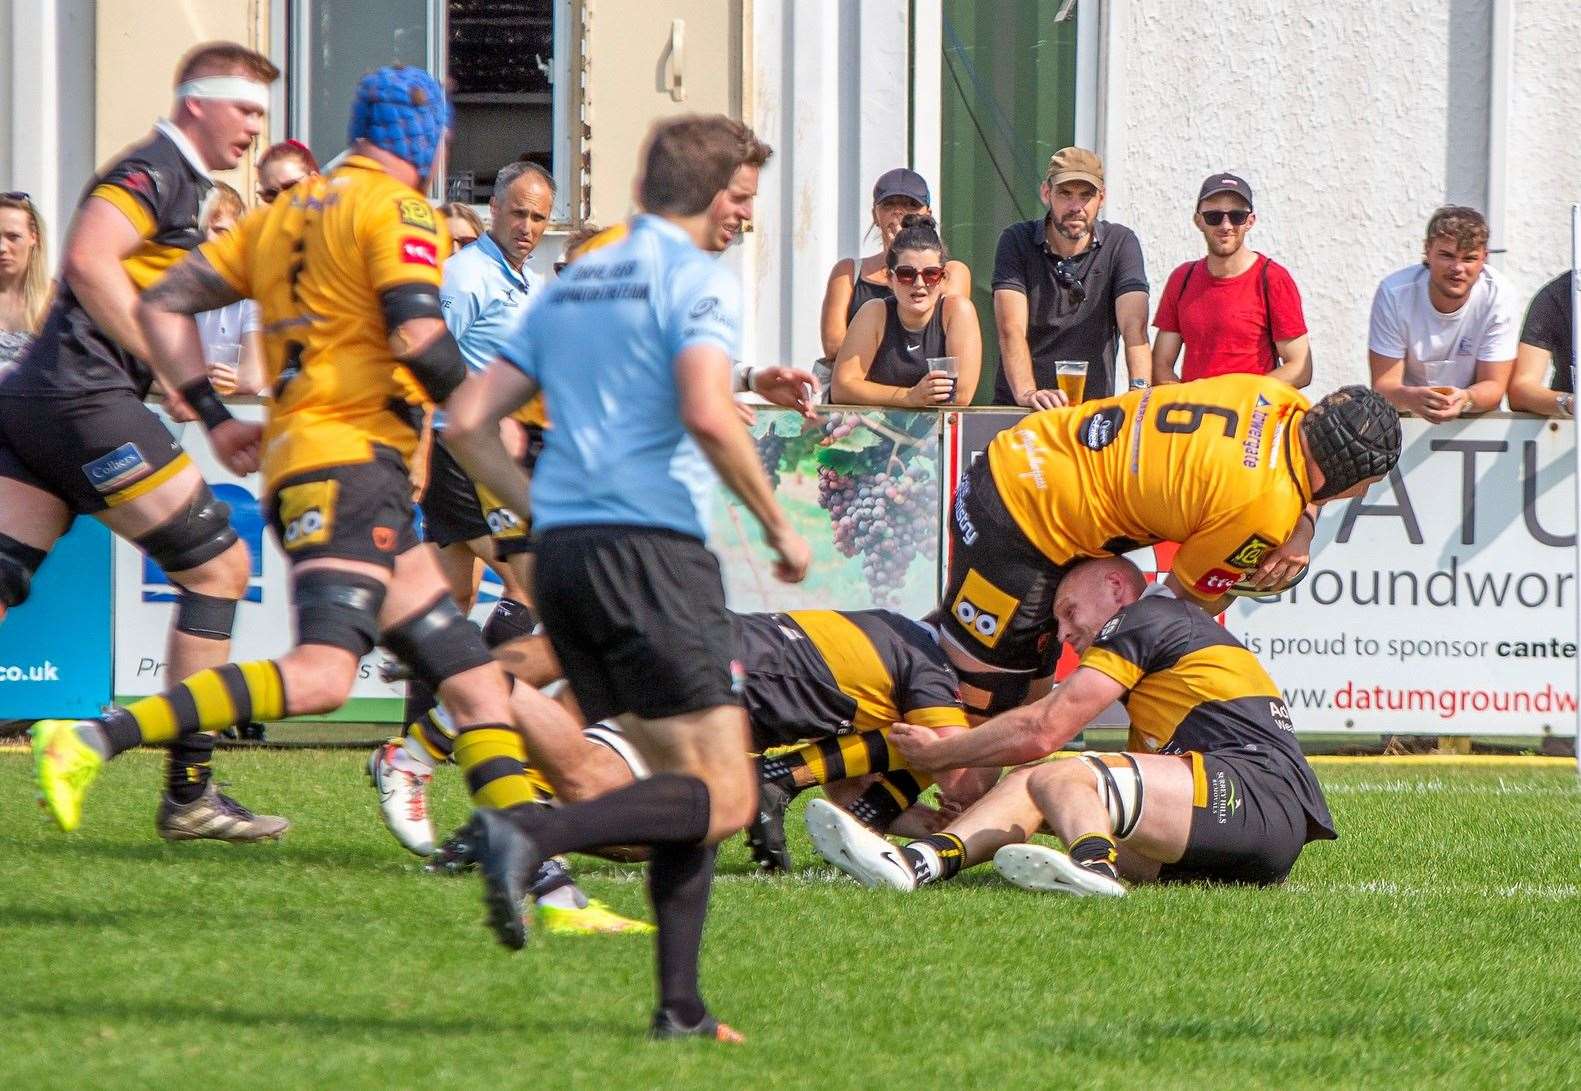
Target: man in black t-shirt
x,y
1546,349
1064,286
1212,786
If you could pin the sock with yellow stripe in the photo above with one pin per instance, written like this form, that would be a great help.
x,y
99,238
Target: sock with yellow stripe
x,y
886,799
431,738
935,858
210,700
1096,852
493,759
826,761
187,769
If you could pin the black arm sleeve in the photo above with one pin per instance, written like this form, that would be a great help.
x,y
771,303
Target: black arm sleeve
x,y
439,367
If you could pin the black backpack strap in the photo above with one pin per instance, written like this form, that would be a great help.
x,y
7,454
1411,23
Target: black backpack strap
x,y
1268,312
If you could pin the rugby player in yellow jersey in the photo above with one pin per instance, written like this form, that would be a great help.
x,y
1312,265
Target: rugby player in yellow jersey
x,y
1233,468
345,269
1212,786
76,438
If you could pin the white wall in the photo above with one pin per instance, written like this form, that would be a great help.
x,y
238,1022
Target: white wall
x,y
1352,121
829,85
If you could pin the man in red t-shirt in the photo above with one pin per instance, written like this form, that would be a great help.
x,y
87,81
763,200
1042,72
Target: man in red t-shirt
x,y
1235,310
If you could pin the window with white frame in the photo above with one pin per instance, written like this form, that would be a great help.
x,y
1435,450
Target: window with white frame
x,y
505,62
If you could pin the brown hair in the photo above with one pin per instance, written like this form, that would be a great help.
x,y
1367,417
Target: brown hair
x,y
689,159
1465,226
289,149
223,58
35,278
462,211
917,232
578,239
225,197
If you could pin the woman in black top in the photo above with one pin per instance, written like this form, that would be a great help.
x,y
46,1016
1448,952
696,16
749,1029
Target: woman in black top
x,y
884,357
855,281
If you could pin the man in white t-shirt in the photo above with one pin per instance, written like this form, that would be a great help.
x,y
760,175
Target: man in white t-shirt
x,y
1441,341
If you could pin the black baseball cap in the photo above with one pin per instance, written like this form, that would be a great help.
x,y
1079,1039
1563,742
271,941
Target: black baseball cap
x,y
1215,184
901,182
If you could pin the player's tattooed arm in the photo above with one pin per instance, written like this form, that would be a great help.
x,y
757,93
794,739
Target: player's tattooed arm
x,y
190,287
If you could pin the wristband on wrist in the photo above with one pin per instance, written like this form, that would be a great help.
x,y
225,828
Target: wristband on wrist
x,y
1139,384
200,395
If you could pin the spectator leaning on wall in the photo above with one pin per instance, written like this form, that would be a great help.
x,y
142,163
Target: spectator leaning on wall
x,y
1235,310
1442,337
1064,286
1546,345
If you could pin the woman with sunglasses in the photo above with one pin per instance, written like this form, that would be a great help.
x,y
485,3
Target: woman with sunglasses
x,y
853,281
24,280
884,357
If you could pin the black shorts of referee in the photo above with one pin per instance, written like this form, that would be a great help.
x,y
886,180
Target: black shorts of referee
x,y
637,617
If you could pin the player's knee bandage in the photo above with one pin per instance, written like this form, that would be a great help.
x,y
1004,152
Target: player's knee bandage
x,y
340,609
1006,690
608,735
194,535
439,643
207,616
511,620
1120,788
18,562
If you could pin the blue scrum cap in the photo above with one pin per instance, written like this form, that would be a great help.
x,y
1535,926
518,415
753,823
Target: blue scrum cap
x,y
402,110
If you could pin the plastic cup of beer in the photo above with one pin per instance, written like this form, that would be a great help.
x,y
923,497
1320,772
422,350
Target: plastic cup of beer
x,y
948,366
228,357
1437,373
1072,378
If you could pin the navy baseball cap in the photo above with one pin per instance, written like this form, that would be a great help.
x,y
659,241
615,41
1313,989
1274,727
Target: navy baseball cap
x,y
901,182
1215,184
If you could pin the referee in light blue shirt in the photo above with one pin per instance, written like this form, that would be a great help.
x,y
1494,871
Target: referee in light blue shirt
x,y
632,348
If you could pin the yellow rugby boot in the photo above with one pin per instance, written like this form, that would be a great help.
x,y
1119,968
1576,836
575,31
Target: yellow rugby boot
x,y
64,766
593,919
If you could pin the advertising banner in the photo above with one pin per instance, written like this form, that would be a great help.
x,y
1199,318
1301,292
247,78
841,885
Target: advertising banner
x,y
55,647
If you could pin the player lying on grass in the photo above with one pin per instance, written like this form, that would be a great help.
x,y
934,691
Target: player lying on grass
x,y
1212,786
838,679
1233,468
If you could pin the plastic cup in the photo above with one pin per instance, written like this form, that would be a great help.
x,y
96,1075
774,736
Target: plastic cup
x,y
1072,378
945,365
230,355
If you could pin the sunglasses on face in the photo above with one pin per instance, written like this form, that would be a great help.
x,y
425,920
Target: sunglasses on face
x,y
559,266
1216,217
459,241
267,194
1067,277
908,274
17,195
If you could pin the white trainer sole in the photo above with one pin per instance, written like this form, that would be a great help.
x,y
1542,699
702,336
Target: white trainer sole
x,y
857,850
1037,867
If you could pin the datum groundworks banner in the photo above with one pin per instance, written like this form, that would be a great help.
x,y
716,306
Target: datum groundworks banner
x,y
1444,600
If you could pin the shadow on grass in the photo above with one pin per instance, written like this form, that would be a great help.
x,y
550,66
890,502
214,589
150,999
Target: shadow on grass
x,y
33,916
264,855
320,1022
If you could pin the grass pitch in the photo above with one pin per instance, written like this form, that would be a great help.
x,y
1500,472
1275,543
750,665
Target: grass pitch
x,y
1438,942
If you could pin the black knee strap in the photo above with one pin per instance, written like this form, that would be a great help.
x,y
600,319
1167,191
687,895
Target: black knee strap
x,y
18,562
207,616
438,643
192,536
340,609
511,620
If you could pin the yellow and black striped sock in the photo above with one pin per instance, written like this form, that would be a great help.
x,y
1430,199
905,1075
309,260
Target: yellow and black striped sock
x,y
935,858
431,737
1098,852
829,760
493,758
210,700
887,798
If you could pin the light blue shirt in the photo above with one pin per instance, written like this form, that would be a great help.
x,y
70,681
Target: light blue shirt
x,y
602,344
484,299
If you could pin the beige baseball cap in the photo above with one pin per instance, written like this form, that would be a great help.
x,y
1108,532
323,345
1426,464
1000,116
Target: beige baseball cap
x,y
1075,165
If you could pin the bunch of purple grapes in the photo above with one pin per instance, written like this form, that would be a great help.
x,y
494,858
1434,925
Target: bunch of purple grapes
x,y
887,519
771,450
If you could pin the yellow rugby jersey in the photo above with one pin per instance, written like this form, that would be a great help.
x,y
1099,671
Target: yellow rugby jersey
x,y
317,260
1192,688
535,412
1215,465
813,672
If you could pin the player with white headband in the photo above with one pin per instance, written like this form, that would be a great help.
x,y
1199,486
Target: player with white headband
x,y
76,438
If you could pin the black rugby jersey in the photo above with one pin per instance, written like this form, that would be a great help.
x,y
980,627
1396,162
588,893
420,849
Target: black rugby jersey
x,y
162,192
1191,686
817,672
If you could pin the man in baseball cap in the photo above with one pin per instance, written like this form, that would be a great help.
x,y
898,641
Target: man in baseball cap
x,y
1215,184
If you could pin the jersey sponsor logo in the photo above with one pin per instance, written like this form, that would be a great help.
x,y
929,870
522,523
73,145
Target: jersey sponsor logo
x,y
415,251
384,539
114,471
1026,441
1101,428
416,212
983,609
1108,629
1281,716
1252,446
1216,581
1250,553
963,522
307,514
1224,796
703,306
139,181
